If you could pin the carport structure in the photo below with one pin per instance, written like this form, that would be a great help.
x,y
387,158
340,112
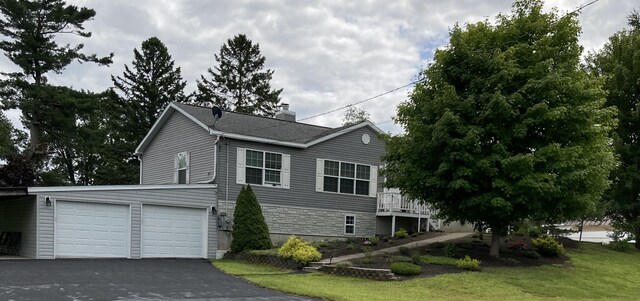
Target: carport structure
x,y
122,221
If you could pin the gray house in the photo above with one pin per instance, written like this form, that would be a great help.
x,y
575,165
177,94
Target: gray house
x,y
310,180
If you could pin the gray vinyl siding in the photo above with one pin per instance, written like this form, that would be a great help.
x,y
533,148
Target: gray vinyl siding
x,y
178,134
19,215
347,147
204,198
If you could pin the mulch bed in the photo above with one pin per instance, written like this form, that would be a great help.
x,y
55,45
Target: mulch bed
x,y
357,245
474,247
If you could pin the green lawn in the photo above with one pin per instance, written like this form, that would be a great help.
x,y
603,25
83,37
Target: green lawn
x,y
595,272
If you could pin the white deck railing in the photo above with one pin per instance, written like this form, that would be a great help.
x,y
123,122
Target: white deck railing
x,y
396,202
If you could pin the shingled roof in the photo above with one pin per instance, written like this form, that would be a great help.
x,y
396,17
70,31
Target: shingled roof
x,y
252,127
257,126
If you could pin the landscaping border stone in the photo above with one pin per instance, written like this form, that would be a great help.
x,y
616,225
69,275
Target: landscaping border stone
x,y
375,274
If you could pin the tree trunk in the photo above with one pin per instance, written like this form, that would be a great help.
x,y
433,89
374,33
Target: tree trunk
x,y
581,228
637,235
495,243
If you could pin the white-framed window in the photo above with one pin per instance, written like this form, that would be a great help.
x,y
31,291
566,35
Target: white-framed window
x,y
263,168
346,177
350,224
181,166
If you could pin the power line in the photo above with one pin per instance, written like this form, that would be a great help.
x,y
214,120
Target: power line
x,y
363,101
581,7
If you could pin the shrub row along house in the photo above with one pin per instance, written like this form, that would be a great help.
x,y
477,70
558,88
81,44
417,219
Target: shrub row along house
x,y
310,181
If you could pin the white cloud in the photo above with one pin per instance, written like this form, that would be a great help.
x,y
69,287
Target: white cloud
x,y
325,54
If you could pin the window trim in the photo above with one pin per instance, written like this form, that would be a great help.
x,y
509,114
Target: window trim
x,y
264,168
355,177
345,224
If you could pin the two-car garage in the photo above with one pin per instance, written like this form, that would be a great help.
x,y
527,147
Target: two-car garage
x,y
146,221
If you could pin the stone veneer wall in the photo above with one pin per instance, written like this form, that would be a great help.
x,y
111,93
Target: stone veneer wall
x,y
376,274
311,221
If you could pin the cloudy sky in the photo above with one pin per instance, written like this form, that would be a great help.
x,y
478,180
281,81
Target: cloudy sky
x,y
325,54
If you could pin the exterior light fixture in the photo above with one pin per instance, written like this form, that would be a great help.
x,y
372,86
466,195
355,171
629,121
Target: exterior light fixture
x,y
47,202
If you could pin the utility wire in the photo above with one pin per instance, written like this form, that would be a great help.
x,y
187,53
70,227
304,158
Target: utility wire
x,y
363,101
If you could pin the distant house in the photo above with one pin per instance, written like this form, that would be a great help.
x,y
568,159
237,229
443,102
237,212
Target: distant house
x,y
310,180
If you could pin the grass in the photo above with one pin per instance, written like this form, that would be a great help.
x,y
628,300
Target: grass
x,y
595,273
440,260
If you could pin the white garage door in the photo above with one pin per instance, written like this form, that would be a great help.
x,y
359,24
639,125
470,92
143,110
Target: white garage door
x,y
173,232
91,230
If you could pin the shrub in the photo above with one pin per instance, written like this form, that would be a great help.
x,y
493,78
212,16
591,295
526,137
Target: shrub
x,y
619,245
250,231
299,250
404,251
405,268
415,257
400,259
547,246
531,254
519,246
402,233
374,240
450,250
385,239
467,263
619,241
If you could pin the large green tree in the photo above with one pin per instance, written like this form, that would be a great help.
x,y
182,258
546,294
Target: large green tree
x,y
239,82
140,95
619,64
506,126
29,30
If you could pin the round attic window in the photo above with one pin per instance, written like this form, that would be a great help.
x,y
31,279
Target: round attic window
x,y
366,139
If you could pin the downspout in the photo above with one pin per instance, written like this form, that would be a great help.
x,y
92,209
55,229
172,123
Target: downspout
x,y
215,161
140,172
226,187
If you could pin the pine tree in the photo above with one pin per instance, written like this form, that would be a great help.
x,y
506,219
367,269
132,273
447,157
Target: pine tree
x,y
507,126
29,29
140,95
250,231
238,83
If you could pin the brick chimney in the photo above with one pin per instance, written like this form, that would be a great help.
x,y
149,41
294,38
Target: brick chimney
x,y
285,114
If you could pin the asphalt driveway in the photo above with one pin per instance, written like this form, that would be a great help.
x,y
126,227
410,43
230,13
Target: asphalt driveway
x,y
161,279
